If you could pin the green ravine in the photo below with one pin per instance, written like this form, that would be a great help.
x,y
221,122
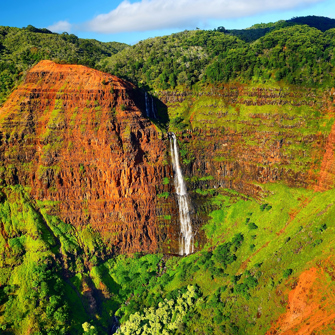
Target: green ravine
x,y
51,270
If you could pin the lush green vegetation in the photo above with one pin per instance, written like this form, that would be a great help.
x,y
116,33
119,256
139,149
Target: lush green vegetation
x,y
258,30
293,51
54,279
213,285
20,49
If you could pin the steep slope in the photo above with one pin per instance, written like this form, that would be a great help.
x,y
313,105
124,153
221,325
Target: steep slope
x,y
240,136
87,197
75,137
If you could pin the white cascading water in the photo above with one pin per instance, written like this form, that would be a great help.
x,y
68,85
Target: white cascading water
x,y
186,236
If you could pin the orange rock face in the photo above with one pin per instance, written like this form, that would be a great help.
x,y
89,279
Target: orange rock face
x,y
310,307
75,136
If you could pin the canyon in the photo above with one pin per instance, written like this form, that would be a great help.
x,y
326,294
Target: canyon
x,y
82,140
237,168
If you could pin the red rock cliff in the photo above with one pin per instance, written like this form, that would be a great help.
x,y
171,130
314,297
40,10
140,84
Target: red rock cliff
x,y
74,136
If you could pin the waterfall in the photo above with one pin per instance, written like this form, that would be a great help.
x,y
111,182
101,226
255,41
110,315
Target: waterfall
x,y
147,106
150,107
186,234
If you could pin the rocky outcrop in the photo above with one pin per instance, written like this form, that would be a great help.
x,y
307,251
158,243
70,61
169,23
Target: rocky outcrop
x,y
77,137
326,179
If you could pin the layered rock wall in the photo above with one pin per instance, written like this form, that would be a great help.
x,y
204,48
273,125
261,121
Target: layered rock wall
x,y
74,136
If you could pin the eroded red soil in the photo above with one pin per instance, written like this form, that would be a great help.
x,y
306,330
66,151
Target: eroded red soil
x,y
311,306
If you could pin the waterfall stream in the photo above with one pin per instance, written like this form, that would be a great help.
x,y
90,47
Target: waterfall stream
x,y
150,107
186,236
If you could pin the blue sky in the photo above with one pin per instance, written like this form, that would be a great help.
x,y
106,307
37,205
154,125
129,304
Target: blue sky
x,y
131,21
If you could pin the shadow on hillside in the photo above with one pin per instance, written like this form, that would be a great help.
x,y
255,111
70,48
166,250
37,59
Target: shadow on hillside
x,y
161,111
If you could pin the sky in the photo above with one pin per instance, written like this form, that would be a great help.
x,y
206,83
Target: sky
x,y
130,21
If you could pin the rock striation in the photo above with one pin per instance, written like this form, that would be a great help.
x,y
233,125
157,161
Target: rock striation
x,y
80,140
77,138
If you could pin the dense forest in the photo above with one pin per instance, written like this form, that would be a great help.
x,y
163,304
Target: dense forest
x,y
20,49
292,51
299,51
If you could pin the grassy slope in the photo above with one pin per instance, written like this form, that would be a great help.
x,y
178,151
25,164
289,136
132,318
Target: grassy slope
x,y
38,254
295,232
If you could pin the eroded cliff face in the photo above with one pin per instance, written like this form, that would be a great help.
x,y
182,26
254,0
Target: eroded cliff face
x,y
242,136
75,137
78,139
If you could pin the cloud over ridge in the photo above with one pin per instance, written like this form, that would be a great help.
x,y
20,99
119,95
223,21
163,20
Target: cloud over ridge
x,y
146,15
60,27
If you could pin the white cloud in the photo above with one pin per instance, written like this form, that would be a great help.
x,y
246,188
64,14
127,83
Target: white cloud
x,y
148,15
60,27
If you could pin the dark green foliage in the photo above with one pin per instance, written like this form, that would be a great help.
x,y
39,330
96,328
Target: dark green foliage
x,y
238,240
37,30
252,225
244,287
321,229
265,207
259,30
223,255
20,49
286,54
287,273
164,62
317,242
319,22
282,51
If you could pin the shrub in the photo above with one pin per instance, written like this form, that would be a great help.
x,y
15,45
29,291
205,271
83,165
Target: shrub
x,y
252,225
287,273
123,107
223,254
218,319
238,239
321,228
317,242
265,207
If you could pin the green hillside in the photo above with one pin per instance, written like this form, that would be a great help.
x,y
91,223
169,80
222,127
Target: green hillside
x,y
49,268
289,52
20,49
